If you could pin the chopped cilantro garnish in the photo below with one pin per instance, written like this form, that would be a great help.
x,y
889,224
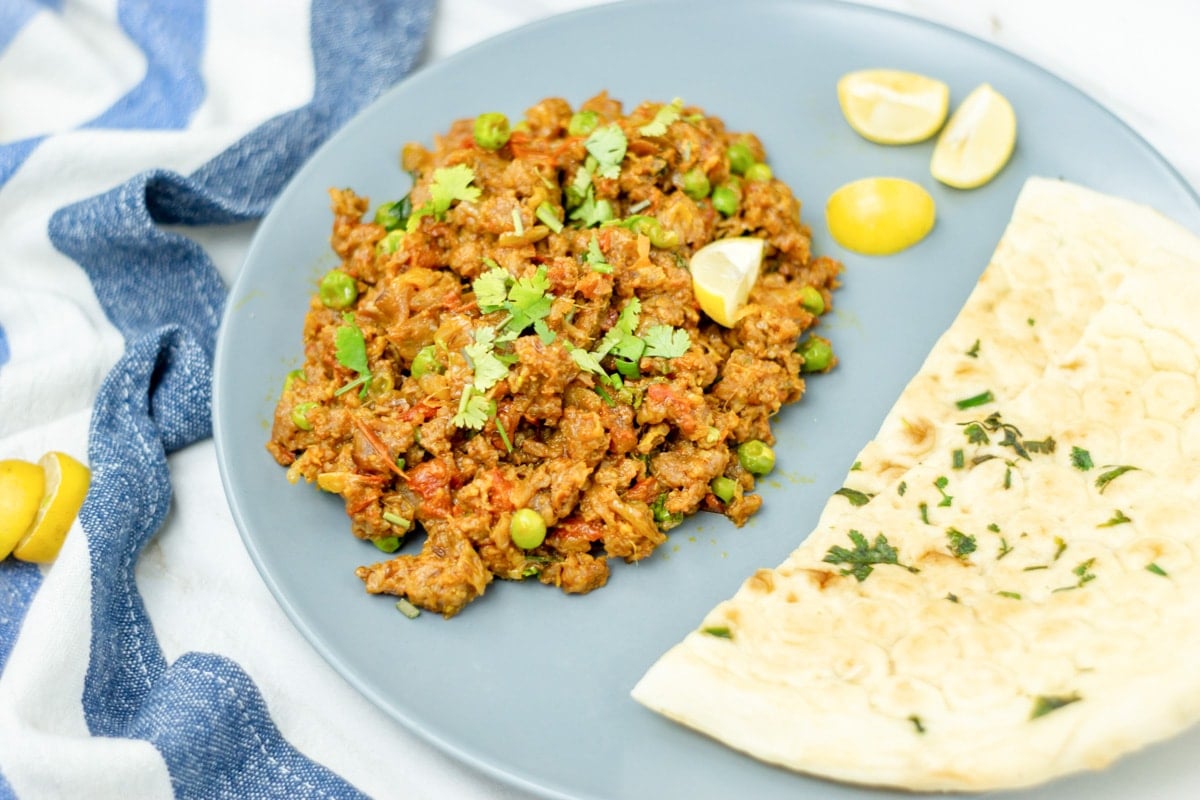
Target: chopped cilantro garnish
x,y
526,300
940,484
1112,474
1005,548
663,341
488,370
902,488
720,631
918,726
607,146
1118,518
1156,569
859,561
1044,704
974,351
855,497
956,459
976,400
449,184
1083,571
546,213
924,508
1010,595
474,409
491,289
1081,459
952,597
1061,547
961,544
856,466
351,351
587,361
662,119
594,258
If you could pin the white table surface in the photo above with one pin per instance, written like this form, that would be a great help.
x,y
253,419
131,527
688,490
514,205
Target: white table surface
x,y
1139,59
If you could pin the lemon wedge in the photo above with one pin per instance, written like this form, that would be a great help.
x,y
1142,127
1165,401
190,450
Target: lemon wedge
x,y
723,273
66,484
977,141
879,216
21,487
890,106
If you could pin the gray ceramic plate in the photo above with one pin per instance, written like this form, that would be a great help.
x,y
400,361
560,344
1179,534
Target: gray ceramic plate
x,y
530,685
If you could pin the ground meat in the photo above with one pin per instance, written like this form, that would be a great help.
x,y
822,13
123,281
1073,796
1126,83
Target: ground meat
x,y
493,356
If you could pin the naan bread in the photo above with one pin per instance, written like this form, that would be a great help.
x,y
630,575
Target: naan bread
x,y
1042,612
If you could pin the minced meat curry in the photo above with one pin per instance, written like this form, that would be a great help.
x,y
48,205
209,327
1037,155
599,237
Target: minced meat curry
x,y
510,359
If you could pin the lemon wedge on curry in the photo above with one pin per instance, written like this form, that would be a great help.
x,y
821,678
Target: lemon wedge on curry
x,y
21,487
891,106
880,216
66,485
977,141
723,273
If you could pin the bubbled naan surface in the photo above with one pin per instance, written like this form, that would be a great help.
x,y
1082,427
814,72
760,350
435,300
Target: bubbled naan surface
x,y
1077,589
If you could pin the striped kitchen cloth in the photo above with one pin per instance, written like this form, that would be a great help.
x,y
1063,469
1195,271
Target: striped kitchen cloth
x,y
139,140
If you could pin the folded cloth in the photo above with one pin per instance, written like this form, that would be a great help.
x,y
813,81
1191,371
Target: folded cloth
x,y
127,128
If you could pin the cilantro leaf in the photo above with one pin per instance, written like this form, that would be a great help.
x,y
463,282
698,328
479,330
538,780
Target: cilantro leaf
x,y
961,545
666,342
592,212
607,146
450,184
350,347
473,409
662,119
855,497
487,368
1045,703
587,362
1112,474
491,289
1081,459
594,258
859,561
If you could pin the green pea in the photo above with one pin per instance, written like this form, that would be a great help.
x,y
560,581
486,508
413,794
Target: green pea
x,y
696,184
724,488
817,353
426,361
395,214
300,415
583,122
491,130
390,243
758,171
812,300
337,290
659,236
381,383
527,528
726,199
740,156
756,457
388,544
292,377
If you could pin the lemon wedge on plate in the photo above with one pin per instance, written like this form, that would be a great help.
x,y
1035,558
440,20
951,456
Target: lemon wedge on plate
x,y
21,487
723,273
880,216
66,485
890,106
977,141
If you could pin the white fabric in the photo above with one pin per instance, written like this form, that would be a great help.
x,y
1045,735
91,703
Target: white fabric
x,y
198,583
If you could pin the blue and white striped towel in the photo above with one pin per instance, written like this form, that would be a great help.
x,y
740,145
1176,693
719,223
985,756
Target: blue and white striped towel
x,y
139,140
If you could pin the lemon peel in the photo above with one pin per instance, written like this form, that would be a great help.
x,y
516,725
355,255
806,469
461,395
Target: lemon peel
x,y
880,216
891,106
723,273
977,141
66,485
21,487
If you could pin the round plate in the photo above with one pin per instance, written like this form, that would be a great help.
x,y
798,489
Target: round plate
x,y
531,685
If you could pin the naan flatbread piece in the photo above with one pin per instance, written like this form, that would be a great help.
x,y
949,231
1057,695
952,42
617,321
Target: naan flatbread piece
x,y
1021,601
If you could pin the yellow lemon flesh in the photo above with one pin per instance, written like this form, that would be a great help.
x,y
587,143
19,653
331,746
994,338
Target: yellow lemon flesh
x,y
890,106
66,484
723,273
879,216
977,141
21,487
